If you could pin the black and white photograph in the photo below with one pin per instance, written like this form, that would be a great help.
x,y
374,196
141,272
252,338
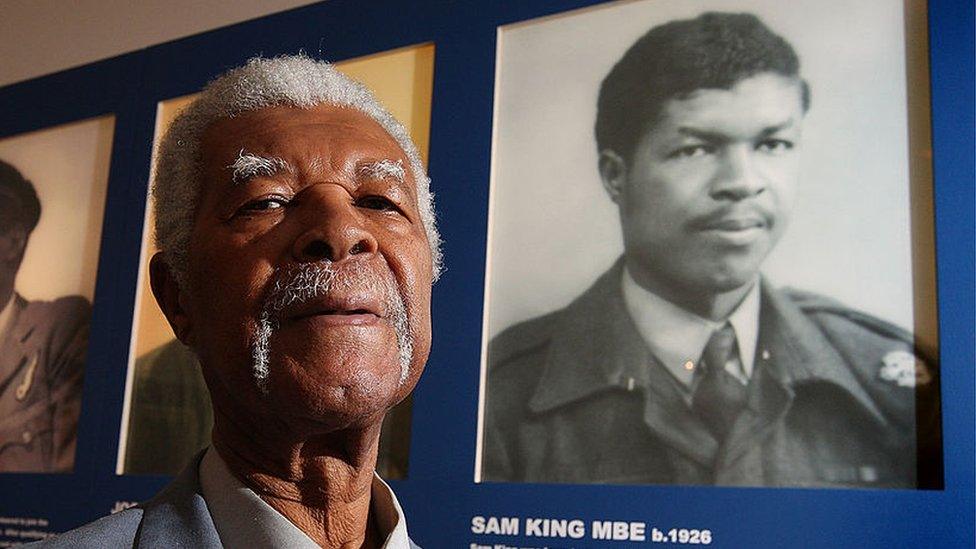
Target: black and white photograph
x,y
709,249
52,199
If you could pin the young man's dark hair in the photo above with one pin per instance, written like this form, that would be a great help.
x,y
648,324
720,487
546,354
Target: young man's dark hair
x,y
713,50
18,200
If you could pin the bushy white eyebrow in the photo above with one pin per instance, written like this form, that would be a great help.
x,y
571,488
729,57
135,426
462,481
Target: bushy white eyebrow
x,y
382,169
248,166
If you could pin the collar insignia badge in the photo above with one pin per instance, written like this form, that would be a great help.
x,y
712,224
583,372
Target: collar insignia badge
x,y
905,369
25,385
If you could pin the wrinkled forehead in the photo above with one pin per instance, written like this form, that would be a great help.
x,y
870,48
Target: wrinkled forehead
x,y
321,139
298,128
299,146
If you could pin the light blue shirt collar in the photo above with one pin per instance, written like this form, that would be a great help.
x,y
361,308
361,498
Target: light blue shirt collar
x,y
243,519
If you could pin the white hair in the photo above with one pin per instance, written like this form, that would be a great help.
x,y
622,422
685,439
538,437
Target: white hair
x,y
296,81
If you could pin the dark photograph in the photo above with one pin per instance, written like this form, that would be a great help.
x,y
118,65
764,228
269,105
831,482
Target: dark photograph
x,y
704,264
52,197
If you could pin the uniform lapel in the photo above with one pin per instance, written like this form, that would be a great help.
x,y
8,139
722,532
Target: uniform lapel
x,y
581,361
12,350
768,401
668,416
802,354
596,348
791,352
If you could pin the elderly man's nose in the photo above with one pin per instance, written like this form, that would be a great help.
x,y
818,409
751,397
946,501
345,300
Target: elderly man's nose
x,y
335,230
738,177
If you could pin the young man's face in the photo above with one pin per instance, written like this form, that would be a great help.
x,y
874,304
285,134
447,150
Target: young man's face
x,y
710,186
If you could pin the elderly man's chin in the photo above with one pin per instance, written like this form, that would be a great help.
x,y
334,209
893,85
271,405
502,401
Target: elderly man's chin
x,y
338,378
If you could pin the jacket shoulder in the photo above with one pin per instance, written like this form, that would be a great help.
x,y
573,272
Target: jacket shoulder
x,y
521,339
834,312
516,359
63,322
883,356
118,530
72,310
901,376
880,351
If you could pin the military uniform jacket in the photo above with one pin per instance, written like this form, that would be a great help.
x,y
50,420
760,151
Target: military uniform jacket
x,y
42,360
169,415
576,396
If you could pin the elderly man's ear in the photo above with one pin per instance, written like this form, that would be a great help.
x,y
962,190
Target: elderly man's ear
x,y
613,173
170,298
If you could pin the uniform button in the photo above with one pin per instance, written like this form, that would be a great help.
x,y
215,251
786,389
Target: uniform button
x,y
868,474
27,436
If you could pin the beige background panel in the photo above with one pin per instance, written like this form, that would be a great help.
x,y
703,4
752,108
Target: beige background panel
x,y
68,166
401,79
153,330
389,75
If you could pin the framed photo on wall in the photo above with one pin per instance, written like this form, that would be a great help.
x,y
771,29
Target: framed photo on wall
x,y
52,199
666,172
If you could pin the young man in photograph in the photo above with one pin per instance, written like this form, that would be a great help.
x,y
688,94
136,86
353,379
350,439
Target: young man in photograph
x,y
682,364
42,349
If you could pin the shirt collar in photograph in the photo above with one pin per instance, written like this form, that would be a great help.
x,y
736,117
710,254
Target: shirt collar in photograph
x,y
243,519
6,315
676,336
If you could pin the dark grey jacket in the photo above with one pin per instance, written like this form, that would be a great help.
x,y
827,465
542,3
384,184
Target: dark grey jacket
x,y
42,363
576,396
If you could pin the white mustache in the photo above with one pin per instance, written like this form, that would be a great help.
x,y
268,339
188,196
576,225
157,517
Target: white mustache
x,y
304,282
307,281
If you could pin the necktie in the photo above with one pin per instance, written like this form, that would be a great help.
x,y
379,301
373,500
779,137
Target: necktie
x,y
718,397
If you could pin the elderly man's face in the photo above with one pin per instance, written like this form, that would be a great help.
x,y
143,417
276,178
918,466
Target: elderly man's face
x,y
310,270
710,187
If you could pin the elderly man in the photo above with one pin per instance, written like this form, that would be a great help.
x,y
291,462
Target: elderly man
x,y
680,365
42,350
298,249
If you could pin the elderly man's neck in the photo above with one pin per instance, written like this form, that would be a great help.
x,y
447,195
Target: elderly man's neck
x,y
321,484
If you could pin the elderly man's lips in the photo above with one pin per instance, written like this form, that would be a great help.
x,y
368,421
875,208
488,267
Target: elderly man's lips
x,y
350,309
357,317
